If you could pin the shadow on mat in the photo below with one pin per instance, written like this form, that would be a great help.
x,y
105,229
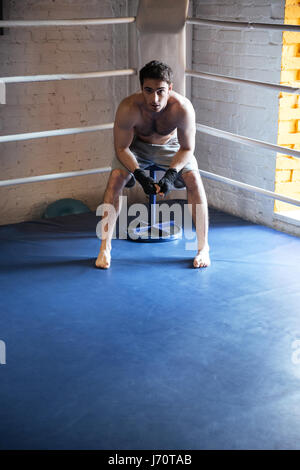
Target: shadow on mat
x,y
46,263
146,262
116,263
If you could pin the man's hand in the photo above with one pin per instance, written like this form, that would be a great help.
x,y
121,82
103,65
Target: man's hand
x,y
147,183
166,184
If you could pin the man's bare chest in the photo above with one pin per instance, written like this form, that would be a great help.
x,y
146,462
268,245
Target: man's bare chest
x,y
162,126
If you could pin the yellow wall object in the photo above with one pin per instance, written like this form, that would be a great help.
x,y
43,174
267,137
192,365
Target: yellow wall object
x,y
288,101
287,177
290,37
287,126
286,114
285,162
296,176
283,176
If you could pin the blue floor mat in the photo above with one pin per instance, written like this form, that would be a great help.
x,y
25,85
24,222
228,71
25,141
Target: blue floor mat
x,y
151,354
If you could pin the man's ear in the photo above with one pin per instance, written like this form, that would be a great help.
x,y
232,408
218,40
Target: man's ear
x,y
171,87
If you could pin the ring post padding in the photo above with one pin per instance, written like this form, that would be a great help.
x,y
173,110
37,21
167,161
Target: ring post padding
x,y
157,16
161,36
2,93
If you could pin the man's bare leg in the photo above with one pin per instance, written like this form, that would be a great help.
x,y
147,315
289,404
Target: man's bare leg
x,y
197,198
117,180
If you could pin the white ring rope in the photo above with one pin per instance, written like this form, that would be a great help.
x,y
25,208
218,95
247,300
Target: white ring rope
x,y
53,176
205,174
250,188
247,140
67,76
79,22
200,127
242,81
121,72
132,19
243,25
55,132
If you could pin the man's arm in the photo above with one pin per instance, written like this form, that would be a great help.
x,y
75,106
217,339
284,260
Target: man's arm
x,y
186,132
123,135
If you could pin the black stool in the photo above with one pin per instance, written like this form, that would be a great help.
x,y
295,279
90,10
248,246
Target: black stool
x,y
151,231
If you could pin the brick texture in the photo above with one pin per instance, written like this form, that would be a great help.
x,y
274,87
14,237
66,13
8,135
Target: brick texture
x,y
289,110
50,105
248,111
245,110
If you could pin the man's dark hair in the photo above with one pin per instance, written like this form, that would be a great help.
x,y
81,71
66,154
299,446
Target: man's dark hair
x,y
156,70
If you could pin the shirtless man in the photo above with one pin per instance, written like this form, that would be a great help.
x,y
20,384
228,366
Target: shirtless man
x,y
156,125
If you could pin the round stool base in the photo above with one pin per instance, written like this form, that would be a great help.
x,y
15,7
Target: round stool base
x,y
163,232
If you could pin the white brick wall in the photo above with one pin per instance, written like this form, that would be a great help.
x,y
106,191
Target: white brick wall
x,y
51,105
48,105
245,110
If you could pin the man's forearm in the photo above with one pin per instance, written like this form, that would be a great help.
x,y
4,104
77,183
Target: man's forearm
x,y
180,159
128,159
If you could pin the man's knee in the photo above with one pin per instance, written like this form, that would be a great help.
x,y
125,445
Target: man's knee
x,y
118,178
192,179
194,185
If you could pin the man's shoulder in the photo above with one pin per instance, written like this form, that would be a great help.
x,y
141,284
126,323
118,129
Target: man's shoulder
x,y
128,112
131,102
181,104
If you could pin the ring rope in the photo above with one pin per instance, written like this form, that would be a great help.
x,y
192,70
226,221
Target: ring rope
x,y
250,188
246,140
79,22
205,174
53,176
132,19
242,81
200,127
243,25
55,132
67,76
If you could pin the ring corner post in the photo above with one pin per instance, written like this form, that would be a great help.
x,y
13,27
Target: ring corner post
x,y
161,36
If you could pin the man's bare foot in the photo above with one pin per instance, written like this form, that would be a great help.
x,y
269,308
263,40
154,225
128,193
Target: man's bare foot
x,y
202,259
103,260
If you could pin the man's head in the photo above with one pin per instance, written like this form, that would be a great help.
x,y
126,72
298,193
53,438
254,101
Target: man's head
x,y
156,83
156,70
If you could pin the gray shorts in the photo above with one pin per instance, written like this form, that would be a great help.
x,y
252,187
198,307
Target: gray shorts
x,y
159,155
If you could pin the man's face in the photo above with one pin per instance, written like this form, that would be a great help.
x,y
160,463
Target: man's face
x,y
156,94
